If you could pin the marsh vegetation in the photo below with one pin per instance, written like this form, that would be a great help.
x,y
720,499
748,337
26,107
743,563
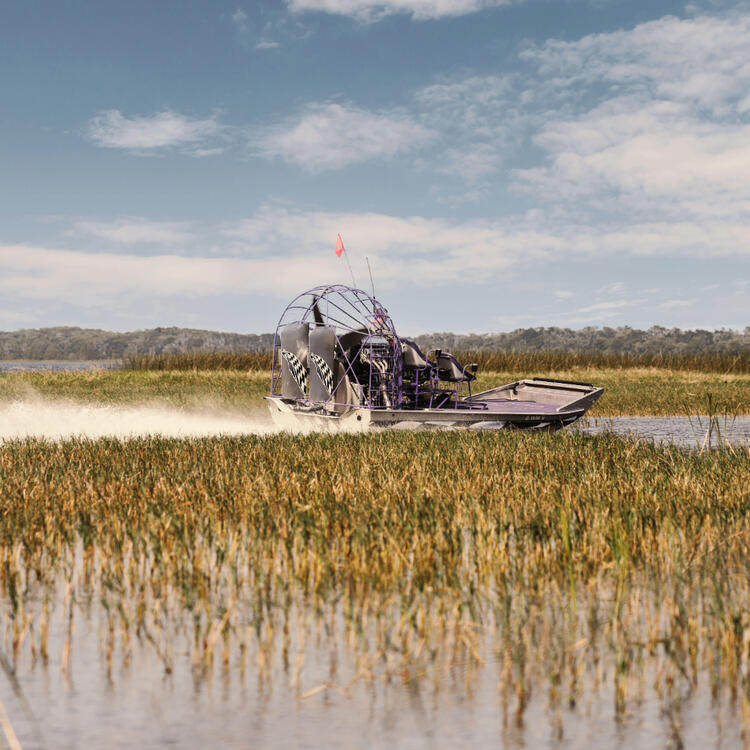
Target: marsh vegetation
x,y
489,360
554,567
566,563
628,391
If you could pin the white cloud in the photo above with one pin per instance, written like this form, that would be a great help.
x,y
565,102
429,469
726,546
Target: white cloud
x,y
471,163
373,10
404,250
651,121
132,230
279,251
417,250
599,307
92,279
459,128
614,288
645,153
479,120
201,152
674,304
291,251
162,131
332,135
665,136
648,150
470,102
701,61
266,44
239,19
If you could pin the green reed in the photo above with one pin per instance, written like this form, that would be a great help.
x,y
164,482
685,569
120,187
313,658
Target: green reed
x,y
576,561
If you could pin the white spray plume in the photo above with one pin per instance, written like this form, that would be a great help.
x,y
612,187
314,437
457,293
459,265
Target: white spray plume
x,y
57,420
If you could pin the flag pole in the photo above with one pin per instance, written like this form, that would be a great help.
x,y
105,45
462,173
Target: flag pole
x,y
341,250
372,283
346,255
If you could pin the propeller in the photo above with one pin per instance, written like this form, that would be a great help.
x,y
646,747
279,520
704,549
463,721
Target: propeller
x,y
316,311
346,341
351,339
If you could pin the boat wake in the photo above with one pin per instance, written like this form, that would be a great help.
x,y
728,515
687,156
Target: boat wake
x,y
56,420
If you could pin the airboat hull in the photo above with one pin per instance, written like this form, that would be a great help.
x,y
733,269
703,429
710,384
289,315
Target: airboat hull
x,y
294,418
525,404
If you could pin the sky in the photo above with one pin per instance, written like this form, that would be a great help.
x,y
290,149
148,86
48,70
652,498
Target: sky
x,y
501,163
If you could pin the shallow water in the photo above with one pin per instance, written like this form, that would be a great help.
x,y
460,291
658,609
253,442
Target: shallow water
x,y
687,432
140,705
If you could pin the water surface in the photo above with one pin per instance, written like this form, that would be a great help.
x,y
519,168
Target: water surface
x,y
141,705
701,432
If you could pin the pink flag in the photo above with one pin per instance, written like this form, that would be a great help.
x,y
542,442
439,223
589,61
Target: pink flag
x,y
339,246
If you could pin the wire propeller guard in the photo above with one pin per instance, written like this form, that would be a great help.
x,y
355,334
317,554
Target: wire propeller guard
x,y
367,361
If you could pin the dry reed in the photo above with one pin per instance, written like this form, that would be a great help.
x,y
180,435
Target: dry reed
x,y
583,560
628,391
488,360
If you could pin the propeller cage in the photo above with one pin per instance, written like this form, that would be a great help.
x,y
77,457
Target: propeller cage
x,y
336,348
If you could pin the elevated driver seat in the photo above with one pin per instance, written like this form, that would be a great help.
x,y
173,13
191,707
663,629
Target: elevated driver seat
x,y
417,369
450,370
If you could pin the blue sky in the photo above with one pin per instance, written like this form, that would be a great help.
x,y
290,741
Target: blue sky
x,y
502,163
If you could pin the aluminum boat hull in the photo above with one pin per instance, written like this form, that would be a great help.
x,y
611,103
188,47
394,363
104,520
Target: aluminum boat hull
x,y
524,404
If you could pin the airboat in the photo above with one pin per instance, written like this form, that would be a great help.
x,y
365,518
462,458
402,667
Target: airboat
x,y
338,363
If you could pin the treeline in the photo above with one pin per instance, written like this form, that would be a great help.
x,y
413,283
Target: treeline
x,y
67,343
656,341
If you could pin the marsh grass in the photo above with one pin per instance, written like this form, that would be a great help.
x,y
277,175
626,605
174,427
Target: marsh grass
x,y
555,361
714,425
629,392
216,390
577,561
487,359
254,361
